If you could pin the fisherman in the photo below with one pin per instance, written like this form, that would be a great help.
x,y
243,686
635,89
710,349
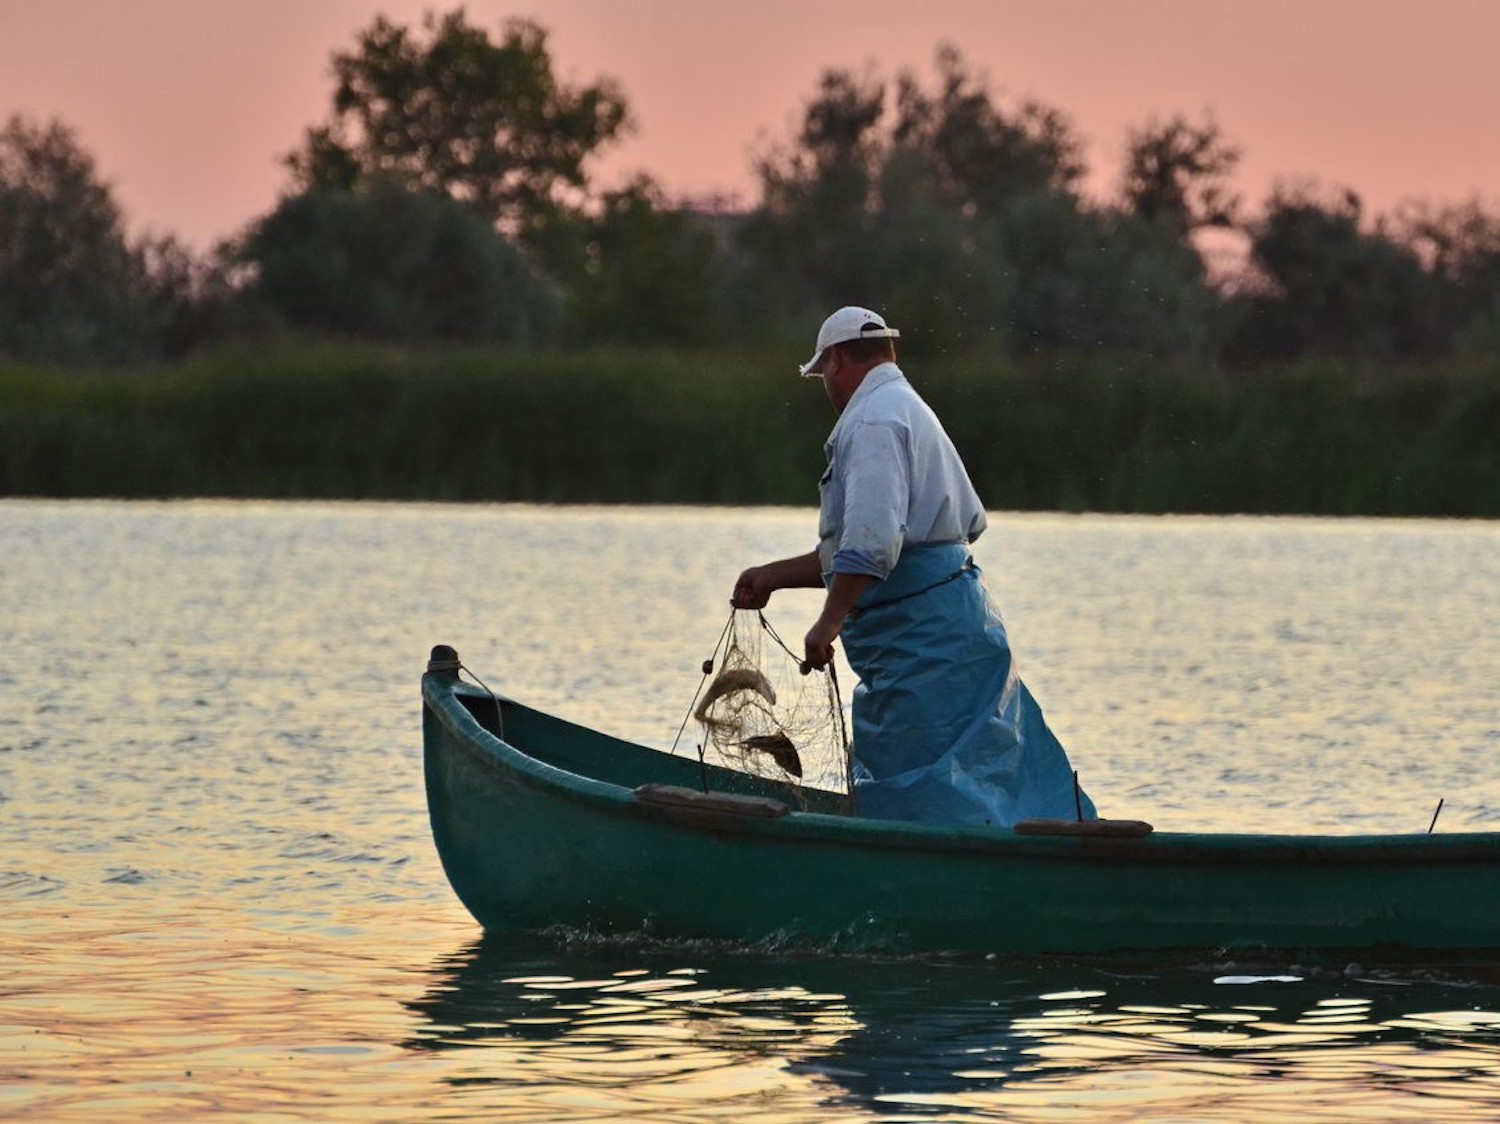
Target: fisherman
x,y
944,729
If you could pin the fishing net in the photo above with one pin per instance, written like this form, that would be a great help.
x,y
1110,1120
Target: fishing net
x,y
760,714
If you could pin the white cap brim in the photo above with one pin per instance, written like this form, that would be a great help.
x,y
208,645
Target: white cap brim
x,y
806,370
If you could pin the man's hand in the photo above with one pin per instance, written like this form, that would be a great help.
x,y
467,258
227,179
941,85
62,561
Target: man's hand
x,y
817,646
753,589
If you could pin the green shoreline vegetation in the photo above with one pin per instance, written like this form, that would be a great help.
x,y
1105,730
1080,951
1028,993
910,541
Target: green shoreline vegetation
x,y
353,420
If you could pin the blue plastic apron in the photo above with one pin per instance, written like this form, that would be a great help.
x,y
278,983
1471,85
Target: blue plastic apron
x,y
944,729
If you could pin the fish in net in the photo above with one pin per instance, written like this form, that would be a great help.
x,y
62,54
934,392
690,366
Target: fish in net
x,y
761,714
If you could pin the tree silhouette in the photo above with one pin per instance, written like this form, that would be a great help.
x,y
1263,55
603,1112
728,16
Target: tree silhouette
x,y
961,215
1329,284
386,262
1177,173
73,288
449,110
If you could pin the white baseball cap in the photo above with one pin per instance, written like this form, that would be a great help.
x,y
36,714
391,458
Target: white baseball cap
x,y
848,323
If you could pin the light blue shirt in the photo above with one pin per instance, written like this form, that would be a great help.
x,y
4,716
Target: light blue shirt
x,y
894,480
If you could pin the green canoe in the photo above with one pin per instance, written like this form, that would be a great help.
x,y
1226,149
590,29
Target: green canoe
x,y
543,824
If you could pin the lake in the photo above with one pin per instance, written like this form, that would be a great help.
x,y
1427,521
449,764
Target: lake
x,y
219,895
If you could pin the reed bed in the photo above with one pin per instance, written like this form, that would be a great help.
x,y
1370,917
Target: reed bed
x,y
330,419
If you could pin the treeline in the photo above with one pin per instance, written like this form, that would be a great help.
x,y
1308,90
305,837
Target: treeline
x,y
446,199
358,420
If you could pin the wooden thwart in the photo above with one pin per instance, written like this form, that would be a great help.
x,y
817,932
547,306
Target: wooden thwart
x,y
1105,829
758,807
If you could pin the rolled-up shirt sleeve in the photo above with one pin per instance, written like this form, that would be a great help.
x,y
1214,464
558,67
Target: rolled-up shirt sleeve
x,y
877,492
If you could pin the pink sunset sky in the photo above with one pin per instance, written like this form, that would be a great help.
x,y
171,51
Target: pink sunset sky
x,y
188,105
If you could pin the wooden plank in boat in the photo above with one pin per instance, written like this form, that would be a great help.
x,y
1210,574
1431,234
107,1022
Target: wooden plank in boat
x,y
1099,829
757,807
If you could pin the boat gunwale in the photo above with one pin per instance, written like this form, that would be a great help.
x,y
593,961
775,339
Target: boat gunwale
x,y
441,694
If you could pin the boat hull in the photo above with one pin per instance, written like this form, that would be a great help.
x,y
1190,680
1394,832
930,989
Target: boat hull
x,y
554,825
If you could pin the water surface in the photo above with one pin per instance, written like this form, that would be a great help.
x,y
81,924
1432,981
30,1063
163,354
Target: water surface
x,y
218,892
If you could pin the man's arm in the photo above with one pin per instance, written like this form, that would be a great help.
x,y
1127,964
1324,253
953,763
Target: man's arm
x,y
843,591
755,586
